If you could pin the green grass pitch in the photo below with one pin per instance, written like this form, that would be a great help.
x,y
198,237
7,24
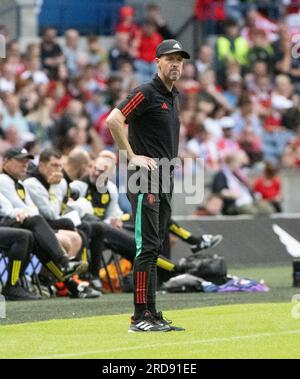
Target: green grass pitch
x,y
237,331
217,325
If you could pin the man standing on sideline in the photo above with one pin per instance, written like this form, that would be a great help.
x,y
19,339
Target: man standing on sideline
x,y
151,112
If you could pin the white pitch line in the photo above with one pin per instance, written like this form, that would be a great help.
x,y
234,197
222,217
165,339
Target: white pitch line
x,y
193,342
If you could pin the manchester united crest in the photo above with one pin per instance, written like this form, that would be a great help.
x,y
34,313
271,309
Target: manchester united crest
x,y
150,198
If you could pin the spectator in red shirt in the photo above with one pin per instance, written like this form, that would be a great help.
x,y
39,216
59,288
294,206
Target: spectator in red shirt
x,y
127,25
292,6
210,13
145,63
210,10
269,186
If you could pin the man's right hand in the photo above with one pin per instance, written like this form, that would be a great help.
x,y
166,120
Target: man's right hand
x,y
143,161
55,178
21,216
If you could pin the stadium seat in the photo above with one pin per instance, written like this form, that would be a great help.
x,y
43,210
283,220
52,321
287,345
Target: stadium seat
x,y
3,269
93,17
32,270
112,257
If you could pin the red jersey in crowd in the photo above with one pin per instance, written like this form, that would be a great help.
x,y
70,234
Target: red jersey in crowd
x,y
147,46
132,30
210,10
269,188
273,121
127,24
293,6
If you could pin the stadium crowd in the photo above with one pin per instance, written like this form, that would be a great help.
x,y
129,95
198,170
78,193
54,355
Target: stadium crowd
x,y
240,113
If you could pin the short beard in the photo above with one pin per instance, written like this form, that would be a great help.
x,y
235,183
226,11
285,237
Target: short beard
x,y
174,76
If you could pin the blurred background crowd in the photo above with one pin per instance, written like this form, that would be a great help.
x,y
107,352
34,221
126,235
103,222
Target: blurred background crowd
x,y
240,94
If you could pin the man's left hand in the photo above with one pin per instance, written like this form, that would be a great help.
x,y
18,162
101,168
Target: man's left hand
x,y
116,223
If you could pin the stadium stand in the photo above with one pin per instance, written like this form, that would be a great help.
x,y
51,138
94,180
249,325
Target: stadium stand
x,y
92,17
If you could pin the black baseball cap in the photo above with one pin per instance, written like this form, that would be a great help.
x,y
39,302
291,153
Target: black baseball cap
x,y
17,153
169,46
230,22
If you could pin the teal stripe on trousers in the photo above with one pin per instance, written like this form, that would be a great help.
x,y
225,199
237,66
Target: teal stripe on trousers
x,y
138,225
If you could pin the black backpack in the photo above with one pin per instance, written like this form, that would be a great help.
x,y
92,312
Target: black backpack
x,y
211,268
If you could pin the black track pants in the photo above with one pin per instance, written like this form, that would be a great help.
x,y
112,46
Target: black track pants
x,y
95,232
17,245
46,245
151,213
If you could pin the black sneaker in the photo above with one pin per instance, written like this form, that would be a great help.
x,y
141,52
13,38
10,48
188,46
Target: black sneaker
x,y
17,293
147,323
96,284
207,241
80,289
74,268
85,292
163,321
